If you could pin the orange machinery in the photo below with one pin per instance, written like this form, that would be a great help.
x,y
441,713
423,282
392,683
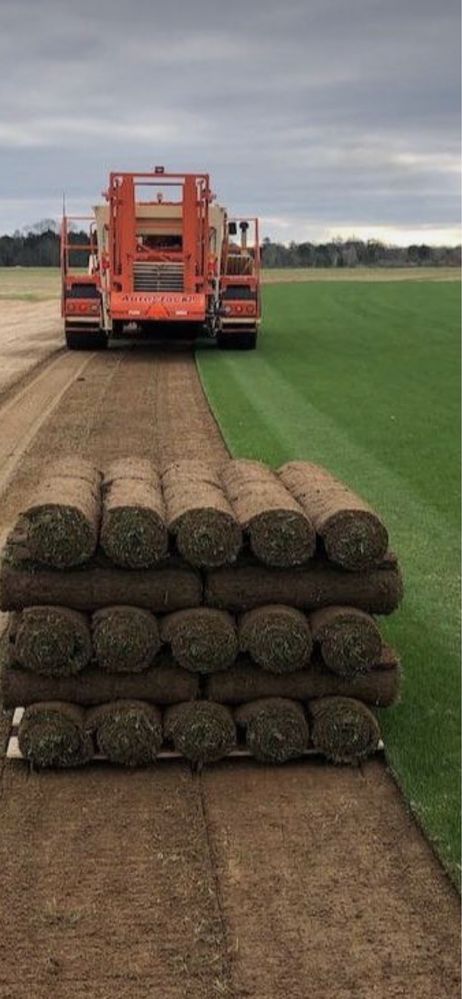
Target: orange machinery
x,y
164,260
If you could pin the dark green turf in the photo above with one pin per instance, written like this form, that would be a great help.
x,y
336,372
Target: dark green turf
x,y
364,378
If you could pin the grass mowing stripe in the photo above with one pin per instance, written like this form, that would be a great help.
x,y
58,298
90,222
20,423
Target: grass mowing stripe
x,y
364,380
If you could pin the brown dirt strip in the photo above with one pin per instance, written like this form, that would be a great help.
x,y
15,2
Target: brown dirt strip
x,y
29,333
247,882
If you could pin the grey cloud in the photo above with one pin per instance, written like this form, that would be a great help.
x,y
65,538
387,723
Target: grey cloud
x,y
319,112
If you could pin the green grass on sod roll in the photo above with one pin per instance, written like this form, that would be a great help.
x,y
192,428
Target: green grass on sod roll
x,y
363,378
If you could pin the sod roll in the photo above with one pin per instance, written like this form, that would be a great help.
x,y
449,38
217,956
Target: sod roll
x,y
125,639
276,729
378,591
202,639
348,639
280,533
53,734
247,682
160,590
126,732
353,535
344,729
133,531
51,640
277,638
60,526
164,683
201,731
199,515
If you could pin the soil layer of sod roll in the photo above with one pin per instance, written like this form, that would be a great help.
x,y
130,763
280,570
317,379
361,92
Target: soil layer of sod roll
x,y
60,526
50,640
164,683
202,639
348,639
353,535
277,638
276,729
53,734
344,729
125,639
246,682
279,531
160,590
378,591
133,531
201,731
199,515
126,732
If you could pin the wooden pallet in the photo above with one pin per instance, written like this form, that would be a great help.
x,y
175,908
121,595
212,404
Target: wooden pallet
x,y
13,751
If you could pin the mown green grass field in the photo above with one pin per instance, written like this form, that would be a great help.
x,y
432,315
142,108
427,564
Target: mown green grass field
x,y
364,378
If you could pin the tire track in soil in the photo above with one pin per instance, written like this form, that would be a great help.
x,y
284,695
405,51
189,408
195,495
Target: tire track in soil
x,y
244,882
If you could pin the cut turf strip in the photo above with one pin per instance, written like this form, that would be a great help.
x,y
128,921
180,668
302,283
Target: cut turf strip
x,y
279,532
164,683
344,729
133,531
126,732
159,590
50,640
378,591
276,729
60,526
349,640
202,639
125,639
53,735
276,637
201,731
353,535
245,682
199,515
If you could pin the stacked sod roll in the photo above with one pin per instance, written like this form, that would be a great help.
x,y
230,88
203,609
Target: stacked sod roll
x,y
199,611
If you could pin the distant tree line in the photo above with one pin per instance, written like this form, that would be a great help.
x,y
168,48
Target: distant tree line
x,y
39,247
357,253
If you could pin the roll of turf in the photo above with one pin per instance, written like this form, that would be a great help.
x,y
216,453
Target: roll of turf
x,y
53,734
60,526
237,589
133,531
352,533
276,637
51,640
163,683
125,639
161,590
246,682
202,639
276,729
344,729
201,731
348,639
200,517
127,732
279,531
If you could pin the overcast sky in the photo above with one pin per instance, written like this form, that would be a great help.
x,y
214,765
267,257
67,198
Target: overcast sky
x,y
324,117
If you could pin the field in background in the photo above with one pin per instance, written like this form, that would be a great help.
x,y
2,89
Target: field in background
x,y
278,274
36,284
363,377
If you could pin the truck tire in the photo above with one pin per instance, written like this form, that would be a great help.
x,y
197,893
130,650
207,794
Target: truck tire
x,y
237,341
76,340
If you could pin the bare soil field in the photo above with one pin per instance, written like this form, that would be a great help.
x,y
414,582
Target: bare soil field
x,y
29,334
245,881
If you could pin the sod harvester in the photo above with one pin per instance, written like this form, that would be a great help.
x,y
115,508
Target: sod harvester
x,y
164,261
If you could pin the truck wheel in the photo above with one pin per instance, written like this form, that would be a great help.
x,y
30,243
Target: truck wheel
x,y
237,341
85,341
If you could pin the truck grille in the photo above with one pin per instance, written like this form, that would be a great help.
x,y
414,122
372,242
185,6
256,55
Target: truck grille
x,y
157,277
